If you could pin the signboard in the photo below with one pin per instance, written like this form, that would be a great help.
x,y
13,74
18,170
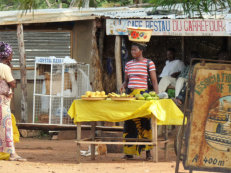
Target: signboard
x,y
49,60
209,133
174,27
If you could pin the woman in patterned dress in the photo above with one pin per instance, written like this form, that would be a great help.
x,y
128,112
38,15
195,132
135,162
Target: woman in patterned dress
x,y
136,81
6,130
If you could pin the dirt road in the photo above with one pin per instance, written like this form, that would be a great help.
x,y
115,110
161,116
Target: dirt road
x,y
59,156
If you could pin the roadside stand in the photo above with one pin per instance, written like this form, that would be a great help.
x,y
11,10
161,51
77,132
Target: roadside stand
x,y
97,106
161,112
99,41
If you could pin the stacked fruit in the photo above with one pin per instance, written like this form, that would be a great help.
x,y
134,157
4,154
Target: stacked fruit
x,y
95,94
124,95
147,96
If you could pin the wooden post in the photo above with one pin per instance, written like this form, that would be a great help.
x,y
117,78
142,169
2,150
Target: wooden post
x,y
97,82
154,139
182,49
166,143
78,139
101,43
229,46
93,139
118,62
22,60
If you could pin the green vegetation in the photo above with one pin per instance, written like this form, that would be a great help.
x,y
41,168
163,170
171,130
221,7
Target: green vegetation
x,y
190,6
43,4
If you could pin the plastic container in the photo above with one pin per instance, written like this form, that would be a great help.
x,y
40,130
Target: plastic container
x,y
139,34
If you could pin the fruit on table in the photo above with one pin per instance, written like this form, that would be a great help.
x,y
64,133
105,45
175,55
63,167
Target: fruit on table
x,y
95,94
113,95
152,93
147,96
140,98
124,95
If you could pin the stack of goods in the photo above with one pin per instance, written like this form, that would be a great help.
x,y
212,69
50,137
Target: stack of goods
x,y
101,95
90,94
147,96
123,95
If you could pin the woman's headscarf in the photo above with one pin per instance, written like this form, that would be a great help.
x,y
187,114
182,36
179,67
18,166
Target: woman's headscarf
x,y
5,50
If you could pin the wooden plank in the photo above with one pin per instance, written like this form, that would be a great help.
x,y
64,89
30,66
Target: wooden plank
x,y
116,143
22,58
161,141
40,126
124,139
118,62
78,144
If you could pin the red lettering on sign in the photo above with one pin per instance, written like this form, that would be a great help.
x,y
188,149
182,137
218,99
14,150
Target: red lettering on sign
x,y
220,25
186,25
189,25
212,25
174,25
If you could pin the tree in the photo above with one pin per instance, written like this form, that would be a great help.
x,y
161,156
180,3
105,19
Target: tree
x,y
43,4
190,6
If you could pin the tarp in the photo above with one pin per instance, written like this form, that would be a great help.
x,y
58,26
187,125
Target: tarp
x,y
165,110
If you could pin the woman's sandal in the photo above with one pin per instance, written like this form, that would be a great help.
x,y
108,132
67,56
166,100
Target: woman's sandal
x,y
17,158
148,158
148,155
127,157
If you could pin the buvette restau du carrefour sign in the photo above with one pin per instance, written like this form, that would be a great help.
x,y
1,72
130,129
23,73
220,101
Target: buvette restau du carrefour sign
x,y
181,27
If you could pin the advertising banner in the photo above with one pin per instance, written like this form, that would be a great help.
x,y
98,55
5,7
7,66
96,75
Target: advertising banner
x,y
174,27
209,132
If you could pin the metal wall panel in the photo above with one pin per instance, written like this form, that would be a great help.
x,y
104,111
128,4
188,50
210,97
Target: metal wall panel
x,y
39,43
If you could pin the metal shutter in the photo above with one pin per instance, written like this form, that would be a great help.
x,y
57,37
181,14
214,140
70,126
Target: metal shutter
x,y
39,43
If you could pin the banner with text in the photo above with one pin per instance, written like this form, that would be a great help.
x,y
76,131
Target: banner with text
x,y
175,27
208,135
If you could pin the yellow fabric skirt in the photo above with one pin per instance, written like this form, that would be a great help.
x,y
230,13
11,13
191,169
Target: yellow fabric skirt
x,y
16,135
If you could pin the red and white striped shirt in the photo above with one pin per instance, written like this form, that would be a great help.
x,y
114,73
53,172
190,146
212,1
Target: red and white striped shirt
x,y
137,73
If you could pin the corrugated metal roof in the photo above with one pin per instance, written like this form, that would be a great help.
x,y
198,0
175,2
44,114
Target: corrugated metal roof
x,y
175,13
73,14
53,15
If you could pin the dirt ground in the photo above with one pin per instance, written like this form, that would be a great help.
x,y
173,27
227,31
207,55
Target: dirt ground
x,y
58,156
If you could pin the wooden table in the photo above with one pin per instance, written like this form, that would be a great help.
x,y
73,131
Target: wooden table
x,y
116,111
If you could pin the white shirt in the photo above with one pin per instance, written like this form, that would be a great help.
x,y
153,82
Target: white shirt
x,y
172,67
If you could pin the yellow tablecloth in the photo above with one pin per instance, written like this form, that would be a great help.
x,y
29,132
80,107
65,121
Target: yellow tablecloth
x,y
165,110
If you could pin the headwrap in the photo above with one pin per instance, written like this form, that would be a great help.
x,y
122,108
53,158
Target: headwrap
x,y
5,50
